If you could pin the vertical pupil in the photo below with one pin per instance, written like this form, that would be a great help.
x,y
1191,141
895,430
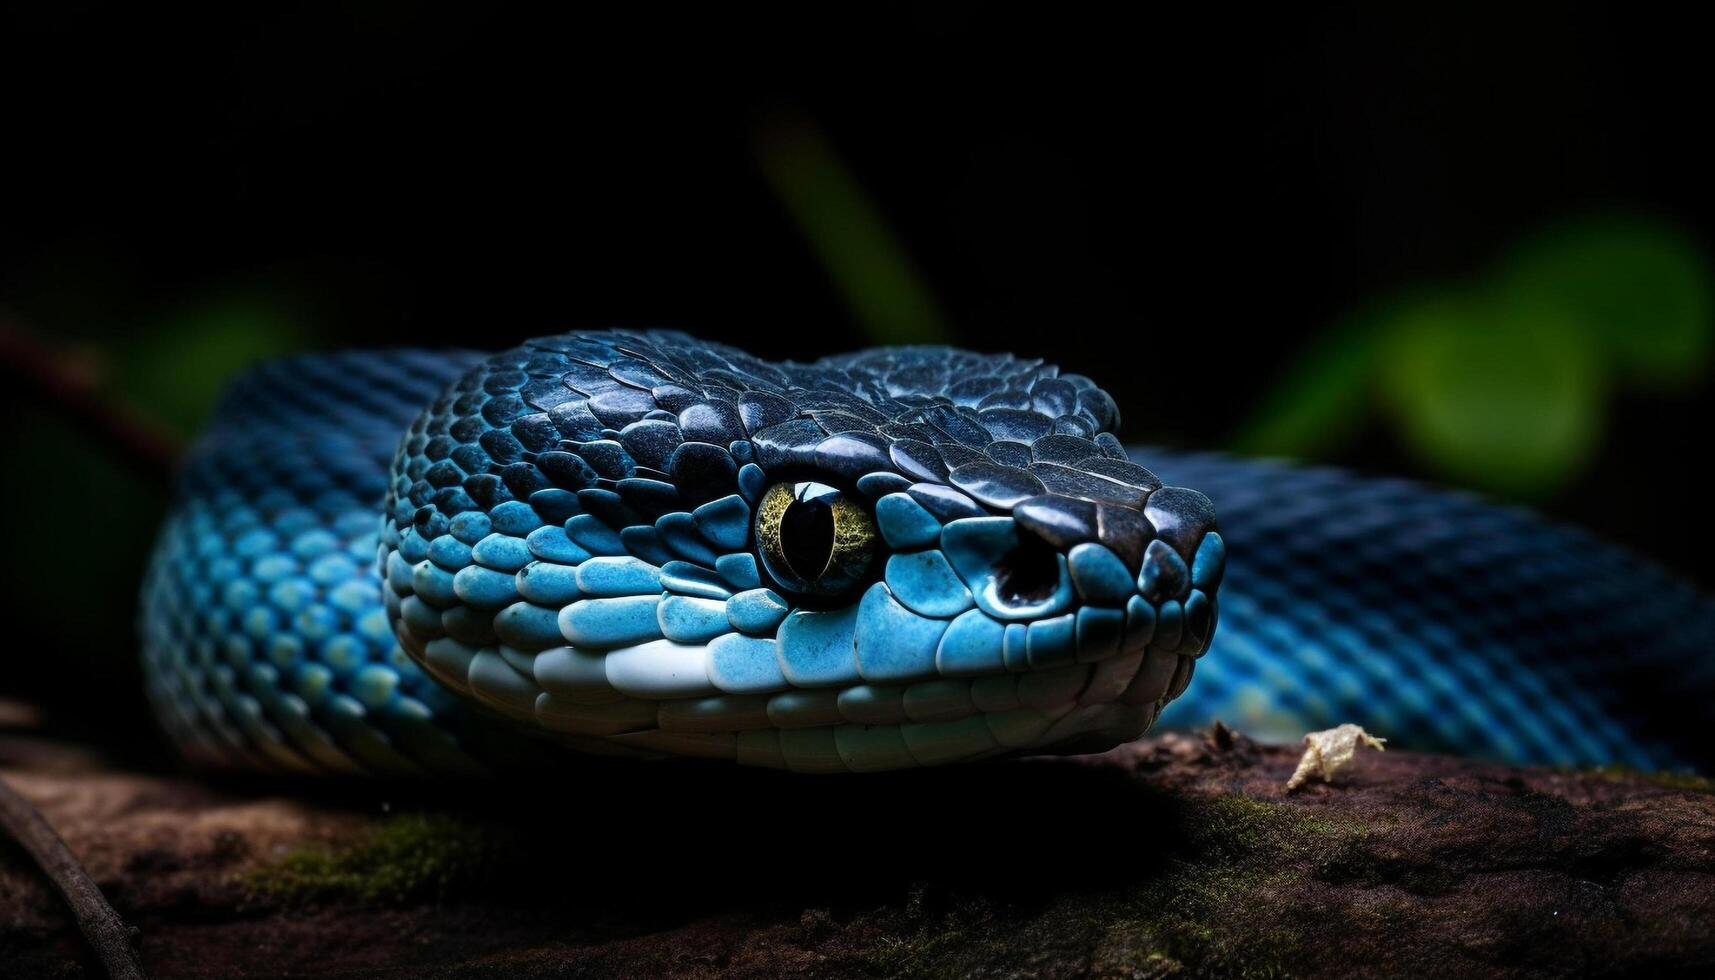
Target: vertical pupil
x,y
807,537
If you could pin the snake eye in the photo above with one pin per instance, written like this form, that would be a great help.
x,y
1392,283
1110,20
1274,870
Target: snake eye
x,y
813,539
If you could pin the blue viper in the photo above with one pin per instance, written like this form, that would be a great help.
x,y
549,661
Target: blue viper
x,y
645,544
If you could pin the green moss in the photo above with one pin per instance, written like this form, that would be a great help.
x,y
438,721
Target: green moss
x,y
1689,781
1237,827
1208,910
917,956
408,857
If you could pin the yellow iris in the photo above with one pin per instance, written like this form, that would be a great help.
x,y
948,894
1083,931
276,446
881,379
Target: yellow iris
x,y
814,539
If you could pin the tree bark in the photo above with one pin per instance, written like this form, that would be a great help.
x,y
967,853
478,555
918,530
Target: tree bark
x,y
1180,855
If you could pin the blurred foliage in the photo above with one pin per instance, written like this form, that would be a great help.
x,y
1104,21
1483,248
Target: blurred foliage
x,y
79,533
86,518
1492,394
1641,289
1321,399
1502,384
849,235
174,373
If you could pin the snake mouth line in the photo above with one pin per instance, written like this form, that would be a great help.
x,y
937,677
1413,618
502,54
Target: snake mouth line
x,y
872,727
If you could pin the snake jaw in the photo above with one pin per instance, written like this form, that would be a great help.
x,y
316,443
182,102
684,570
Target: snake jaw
x,y
573,534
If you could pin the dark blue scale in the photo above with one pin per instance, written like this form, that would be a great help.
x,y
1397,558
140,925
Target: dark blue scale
x,y
485,481
1458,625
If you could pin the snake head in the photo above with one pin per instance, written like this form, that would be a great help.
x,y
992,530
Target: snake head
x,y
901,557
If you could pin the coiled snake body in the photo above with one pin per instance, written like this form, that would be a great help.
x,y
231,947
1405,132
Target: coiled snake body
x,y
644,544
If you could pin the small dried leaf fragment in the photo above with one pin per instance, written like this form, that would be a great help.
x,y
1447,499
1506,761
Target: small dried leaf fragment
x,y
1327,752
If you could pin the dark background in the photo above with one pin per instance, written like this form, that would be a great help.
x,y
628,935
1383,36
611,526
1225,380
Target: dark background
x,y
1179,205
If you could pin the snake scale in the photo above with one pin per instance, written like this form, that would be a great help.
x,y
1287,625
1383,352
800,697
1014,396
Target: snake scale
x,y
642,544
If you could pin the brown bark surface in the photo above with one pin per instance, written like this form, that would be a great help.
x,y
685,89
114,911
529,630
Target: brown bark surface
x,y
1178,855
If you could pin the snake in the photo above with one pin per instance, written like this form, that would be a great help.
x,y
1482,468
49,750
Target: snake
x,y
636,543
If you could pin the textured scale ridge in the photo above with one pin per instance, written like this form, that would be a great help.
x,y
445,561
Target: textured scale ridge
x,y
410,562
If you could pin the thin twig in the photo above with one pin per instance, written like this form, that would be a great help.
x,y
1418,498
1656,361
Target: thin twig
x,y
102,928
40,370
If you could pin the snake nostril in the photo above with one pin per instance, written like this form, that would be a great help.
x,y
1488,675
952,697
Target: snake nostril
x,y
1029,573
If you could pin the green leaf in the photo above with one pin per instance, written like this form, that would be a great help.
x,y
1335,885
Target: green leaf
x,y
1641,287
849,235
175,372
1501,396
1322,398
